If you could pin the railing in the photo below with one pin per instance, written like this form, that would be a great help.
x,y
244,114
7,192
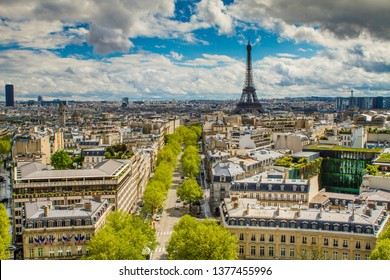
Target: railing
x,y
65,183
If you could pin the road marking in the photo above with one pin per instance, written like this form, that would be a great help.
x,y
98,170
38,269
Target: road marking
x,y
163,233
160,249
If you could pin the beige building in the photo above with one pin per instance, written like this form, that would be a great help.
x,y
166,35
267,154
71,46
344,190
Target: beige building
x,y
121,182
61,232
272,188
31,146
275,233
290,141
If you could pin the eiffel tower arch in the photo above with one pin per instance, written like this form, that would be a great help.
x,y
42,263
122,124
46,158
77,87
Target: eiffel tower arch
x,y
249,103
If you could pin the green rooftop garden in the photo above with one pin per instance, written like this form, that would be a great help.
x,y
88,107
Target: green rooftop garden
x,y
338,148
385,157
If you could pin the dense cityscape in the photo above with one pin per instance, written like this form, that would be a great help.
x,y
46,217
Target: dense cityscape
x,y
165,138
289,178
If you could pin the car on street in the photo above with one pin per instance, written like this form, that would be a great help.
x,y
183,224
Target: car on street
x,y
178,200
177,206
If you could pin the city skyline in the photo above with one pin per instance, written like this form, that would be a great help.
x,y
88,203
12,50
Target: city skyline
x,y
193,49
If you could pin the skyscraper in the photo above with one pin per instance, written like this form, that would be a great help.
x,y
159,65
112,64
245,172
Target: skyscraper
x,y
9,95
249,102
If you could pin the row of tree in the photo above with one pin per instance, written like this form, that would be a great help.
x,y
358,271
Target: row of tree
x,y
128,237
5,144
5,236
193,239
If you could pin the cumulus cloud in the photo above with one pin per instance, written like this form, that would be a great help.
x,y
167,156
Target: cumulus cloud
x,y
176,56
106,40
214,12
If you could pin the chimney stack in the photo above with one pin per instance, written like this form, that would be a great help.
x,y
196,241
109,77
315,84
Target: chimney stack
x,y
88,206
46,211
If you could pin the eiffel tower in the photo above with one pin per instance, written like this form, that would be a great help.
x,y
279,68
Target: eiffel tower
x,y
248,102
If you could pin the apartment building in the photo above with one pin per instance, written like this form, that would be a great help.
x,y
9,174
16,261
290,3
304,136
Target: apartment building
x,y
301,233
121,182
272,188
62,231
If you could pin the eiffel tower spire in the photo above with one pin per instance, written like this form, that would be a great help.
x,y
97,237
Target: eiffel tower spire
x,y
248,102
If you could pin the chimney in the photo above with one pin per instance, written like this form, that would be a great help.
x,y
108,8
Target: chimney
x,y
46,210
97,197
277,210
247,209
320,214
353,213
88,206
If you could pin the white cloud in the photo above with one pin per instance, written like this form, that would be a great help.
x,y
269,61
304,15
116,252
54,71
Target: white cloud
x,y
214,13
176,56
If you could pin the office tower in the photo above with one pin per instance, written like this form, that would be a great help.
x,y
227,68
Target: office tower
x,y
9,95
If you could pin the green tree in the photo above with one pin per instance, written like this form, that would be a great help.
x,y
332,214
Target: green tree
x,y
5,144
382,248
372,169
154,196
190,166
61,160
123,237
168,155
190,191
5,236
381,251
206,240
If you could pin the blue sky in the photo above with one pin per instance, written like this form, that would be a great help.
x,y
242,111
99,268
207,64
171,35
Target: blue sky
x,y
167,49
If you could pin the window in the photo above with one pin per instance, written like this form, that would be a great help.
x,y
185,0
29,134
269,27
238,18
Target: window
x,y
292,239
336,227
262,223
241,250
283,224
262,251
271,223
313,241
253,250
31,253
345,256
368,246
262,237
357,246
326,241
326,226
345,228
291,252
367,257
241,238
345,243
335,242
314,226
335,255
368,230
60,252
271,238
292,225
253,238
79,250
304,240
325,255
358,229
283,252
271,251
283,238
304,225
30,239
40,252
357,256
51,252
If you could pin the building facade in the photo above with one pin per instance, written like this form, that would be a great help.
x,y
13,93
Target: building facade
x,y
275,233
121,182
61,232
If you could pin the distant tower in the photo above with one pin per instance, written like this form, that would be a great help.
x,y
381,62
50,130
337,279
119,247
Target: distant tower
x,y
249,102
40,100
61,114
9,96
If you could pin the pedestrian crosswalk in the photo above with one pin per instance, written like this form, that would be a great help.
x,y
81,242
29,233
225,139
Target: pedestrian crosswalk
x,y
164,233
160,249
